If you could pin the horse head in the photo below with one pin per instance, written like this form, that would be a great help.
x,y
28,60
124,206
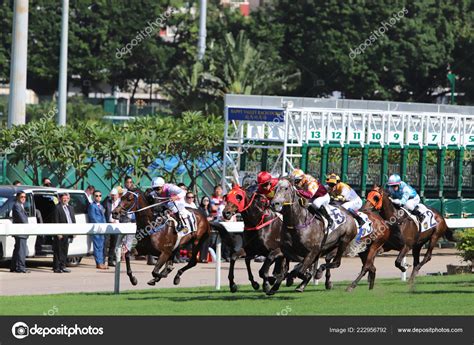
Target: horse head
x,y
284,194
378,199
374,200
128,203
235,202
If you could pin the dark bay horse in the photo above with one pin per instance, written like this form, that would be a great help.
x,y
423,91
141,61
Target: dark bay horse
x,y
158,236
261,234
378,199
304,237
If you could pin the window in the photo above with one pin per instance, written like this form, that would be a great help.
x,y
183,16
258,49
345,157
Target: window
x,y
30,206
6,206
79,202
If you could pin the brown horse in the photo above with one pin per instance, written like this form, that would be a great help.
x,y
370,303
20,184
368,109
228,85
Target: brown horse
x,y
304,238
261,236
378,199
158,236
373,242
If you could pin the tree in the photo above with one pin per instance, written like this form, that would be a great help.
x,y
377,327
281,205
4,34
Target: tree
x,y
408,62
6,15
193,138
130,148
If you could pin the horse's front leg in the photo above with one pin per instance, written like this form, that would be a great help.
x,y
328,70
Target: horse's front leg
x,y
233,287
309,259
130,275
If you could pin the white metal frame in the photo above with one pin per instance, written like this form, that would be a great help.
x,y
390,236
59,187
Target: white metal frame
x,y
319,125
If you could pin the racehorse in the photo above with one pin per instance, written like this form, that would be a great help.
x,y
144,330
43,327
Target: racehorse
x,y
378,199
261,234
158,236
306,242
373,242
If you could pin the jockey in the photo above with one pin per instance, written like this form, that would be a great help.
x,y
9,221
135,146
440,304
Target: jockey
x,y
310,188
341,191
266,184
177,197
402,194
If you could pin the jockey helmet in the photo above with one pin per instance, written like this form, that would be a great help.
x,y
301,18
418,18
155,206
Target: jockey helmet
x,y
297,174
333,179
394,180
158,182
263,177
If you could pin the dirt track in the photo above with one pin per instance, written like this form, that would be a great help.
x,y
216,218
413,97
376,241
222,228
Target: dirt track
x,y
85,277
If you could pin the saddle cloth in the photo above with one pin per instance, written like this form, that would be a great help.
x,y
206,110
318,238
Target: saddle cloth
x,y
189,227
428,218
337,216
366,229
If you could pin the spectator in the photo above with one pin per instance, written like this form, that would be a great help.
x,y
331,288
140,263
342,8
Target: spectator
x,y
63,213
189,200
217,203
128,183
46,182
125,218
110,204
205,207
89,192
182,186
16,183
96,214
18,264
39,216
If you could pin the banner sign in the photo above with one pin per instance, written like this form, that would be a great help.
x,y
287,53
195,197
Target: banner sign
x,y
251,114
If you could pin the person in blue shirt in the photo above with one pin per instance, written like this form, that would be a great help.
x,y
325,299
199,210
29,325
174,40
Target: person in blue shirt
x,y
402,194
96,213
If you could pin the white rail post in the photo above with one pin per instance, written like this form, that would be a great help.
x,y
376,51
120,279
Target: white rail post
x,y
218,262
404,274
118,259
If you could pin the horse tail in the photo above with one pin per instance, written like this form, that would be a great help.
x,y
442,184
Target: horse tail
x,y
449,235
223,233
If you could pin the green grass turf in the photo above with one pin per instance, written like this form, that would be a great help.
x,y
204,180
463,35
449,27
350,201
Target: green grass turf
x,y
441,295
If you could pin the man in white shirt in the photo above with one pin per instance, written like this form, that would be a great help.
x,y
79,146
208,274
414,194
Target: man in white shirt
x,y
110,204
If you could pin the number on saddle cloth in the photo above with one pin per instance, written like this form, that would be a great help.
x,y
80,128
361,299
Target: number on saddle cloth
x,y
365,229
337,216
428,218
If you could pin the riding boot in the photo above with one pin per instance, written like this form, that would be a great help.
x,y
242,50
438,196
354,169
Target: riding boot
x,y
325,214
179,219
356,216
312,209
418,214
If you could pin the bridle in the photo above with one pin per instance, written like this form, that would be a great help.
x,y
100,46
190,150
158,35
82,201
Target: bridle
x,y
135,202
238,191
371,199
242,207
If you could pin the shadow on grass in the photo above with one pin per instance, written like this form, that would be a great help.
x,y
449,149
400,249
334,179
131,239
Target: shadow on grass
x,y
207,298
437,292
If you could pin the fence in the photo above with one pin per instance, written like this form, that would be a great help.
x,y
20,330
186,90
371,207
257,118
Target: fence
x,y
75,229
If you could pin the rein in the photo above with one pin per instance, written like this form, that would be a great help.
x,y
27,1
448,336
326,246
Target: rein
x,y
147,207
250,202
262,224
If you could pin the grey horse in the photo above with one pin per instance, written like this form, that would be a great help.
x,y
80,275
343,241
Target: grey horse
x,y
304,238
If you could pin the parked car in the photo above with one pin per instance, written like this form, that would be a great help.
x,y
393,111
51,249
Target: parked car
x,y
40,201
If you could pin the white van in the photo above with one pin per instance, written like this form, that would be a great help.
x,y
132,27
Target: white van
x,y
42,200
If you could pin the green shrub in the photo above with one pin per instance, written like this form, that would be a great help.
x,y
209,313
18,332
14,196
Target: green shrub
x,y
466,244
